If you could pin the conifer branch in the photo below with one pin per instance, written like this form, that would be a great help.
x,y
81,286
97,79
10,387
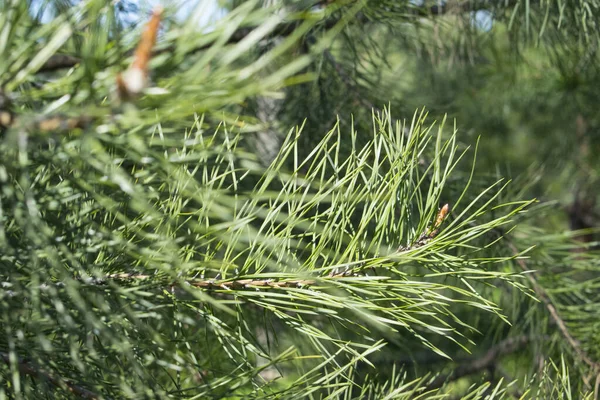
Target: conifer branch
x,y
59,61
240,284
62,61
50,123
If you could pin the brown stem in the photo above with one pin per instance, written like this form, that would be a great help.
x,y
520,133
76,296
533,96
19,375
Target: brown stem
x,y
59,61
51,123
238,284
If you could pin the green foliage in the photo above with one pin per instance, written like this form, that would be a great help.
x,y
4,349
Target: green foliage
x,y
149,250
148,267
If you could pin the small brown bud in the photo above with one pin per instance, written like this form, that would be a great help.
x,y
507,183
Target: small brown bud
x,y
135,79
442,214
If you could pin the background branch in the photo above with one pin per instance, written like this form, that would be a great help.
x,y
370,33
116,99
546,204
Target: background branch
x,y
27,368
61,61
543,296
487,361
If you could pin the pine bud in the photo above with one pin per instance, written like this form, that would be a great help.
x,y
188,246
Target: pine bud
x,y
133,81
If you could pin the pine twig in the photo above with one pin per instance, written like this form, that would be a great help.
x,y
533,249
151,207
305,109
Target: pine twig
x,y
49,123
432,232
216,284
239,284
57,62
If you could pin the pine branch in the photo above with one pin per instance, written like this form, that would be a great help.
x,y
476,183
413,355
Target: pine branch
x,y
240,284
46,123
49,123
62,61
27,368
59,61
269,283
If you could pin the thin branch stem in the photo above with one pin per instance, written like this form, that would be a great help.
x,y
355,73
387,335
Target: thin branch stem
x,y
239,284
59,61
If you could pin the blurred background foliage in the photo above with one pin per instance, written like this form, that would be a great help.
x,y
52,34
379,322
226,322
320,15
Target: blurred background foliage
x,y
260,221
